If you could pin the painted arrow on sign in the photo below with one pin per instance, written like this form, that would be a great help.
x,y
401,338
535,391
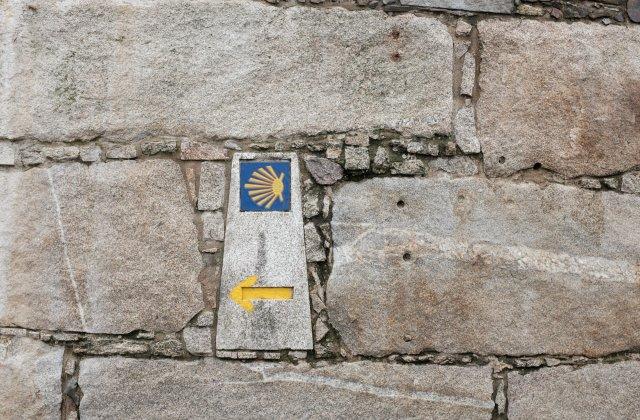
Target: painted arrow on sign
x,y
245,292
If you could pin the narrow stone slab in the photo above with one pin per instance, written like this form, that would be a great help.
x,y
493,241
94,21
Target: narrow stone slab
x,y
30,373
215,69
120,387
106,248
491,6
593,391
269,245
566,96
471,265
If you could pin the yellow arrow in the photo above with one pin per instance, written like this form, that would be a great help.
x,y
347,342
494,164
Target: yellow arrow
x,y
244,293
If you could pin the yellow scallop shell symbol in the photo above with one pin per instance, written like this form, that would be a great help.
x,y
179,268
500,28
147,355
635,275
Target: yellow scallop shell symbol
x,y
265,186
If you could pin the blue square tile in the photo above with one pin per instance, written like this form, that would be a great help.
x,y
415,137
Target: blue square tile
x,y
265,186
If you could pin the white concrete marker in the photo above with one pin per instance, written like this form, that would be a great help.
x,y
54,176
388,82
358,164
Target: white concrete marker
x,y
264,297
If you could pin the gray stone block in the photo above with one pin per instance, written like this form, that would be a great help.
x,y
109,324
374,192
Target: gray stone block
x,y
7,154
214,69
105,248
134,388
492,267
491,6
591,392
213,226
562,95
30,373
269,245
212,183
197,340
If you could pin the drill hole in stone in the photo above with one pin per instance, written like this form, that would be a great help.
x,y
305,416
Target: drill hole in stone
x,y
501,159
400,203
537,165
406,256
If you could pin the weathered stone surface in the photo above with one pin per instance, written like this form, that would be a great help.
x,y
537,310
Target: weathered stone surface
x,y
194,150
7,154
463,28
470,265
106,248
213,226
566,96
468,75
408,167
492,6
61,153
130,388
90,154
211,191
268,245
323,171
465,130
459,165
313,244
161,144
197,340
121,69
356,158
631,182
126,151
30,373
590,392
633,8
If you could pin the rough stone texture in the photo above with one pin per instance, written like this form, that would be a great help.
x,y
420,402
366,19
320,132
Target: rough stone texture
x,y
492,6
313,244
631,183
193,150
61,153
106,248
129,388
127,151
468,75
211,191
216,69
197,340
469,265
90,154
160,144
269,245
30,373
323,171
463,28
564,95
459,165
465,130
633,8
408,167
590,392
7,154
356,158
213,226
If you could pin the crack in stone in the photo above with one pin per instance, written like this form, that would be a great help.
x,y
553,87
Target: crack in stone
x,y
523,257
377,390
65,251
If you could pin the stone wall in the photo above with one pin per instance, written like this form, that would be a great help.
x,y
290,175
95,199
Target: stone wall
x,y
471,199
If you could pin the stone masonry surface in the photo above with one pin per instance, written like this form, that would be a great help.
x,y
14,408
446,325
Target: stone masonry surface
x,y
484,266
130,388
107,248
30,373
564,96
119,69
465,229
593,391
